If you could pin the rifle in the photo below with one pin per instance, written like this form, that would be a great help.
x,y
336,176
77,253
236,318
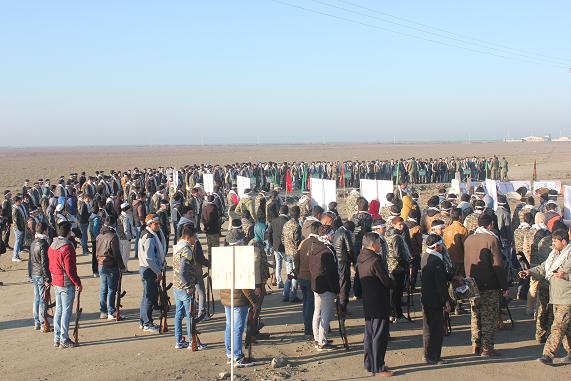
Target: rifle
x,y
164,303
47,300
249,331
341,321
447,328
78,311
195,340
120,295
409,297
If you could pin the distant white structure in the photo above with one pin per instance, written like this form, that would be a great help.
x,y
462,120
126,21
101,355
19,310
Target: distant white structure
x,y
562,139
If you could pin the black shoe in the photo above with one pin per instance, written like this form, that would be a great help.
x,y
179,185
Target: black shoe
x,y
566,359
545,360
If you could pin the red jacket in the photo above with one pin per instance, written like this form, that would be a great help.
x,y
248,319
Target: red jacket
x,y
62,263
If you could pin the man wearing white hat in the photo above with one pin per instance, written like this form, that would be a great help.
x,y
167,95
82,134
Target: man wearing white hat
x,y
126,231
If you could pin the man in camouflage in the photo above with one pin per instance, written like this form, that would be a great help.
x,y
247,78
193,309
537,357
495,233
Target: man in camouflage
x,y
471,221
398,259
520,234
351,203
556,270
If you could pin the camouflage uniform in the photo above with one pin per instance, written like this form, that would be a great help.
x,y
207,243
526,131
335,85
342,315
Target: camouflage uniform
x,y
291,237
560,330
519,237
538,244
257,203
181,254
304,204
471,221
485,311
351,203
385,212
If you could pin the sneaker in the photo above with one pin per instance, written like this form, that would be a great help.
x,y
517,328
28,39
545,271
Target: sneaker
x,y
207,318
385,372
43,330
56,344
67,344
151,328
182,345
566,359
141,326
111,317
37,327
280,285
295,300
202,347
103,315
545,360
239,362
16,259
326,347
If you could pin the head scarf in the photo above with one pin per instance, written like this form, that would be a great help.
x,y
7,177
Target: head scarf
x,y
374,209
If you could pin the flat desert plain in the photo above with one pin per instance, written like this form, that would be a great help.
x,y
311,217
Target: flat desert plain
x,y
120,351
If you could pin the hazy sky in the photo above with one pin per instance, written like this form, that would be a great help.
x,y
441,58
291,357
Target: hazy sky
x,y
192,72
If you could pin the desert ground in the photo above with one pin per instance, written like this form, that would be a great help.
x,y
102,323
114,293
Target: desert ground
x,y
120,351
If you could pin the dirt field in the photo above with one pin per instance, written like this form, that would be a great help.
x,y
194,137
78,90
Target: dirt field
x,y
120,351
18,164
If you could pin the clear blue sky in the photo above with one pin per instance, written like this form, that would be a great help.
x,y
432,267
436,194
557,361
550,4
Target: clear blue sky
x,y
192,72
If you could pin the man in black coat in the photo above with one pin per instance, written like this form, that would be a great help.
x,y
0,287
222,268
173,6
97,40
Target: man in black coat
x,y
376,285
343,244
434,298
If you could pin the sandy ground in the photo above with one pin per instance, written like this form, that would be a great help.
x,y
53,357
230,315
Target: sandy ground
x,y
18,164
120,351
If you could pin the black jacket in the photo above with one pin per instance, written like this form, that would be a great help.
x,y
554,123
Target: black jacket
x,y
323,268
39,258
434,291
344,248
375,283
274,232
363,223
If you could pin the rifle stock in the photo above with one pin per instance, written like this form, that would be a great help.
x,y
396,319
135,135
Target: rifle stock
x,y
46,298
120,295
78,311
164,303
341,321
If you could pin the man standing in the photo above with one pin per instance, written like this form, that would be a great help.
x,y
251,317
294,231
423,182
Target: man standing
x,y
211,222
302,273
290,239
434,299
19,218
454,236
483,261
152,251
184,280
40,272
376,303
274,233
344,249
126,232
7,216
325,286
556,270
398,258
139,214
83,218
110,263
63,269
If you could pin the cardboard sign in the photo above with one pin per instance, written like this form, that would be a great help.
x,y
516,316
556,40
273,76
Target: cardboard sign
x,y
504,187
519,183
208,179
549,184
244,267
242,184
492,191
376,190
322,192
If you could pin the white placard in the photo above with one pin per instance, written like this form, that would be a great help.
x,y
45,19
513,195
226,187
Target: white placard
x,y
322,192
368,189
242,184
566,202
208,179
492,191
244,265
521,183
549,184
504,187
175,179
455,187
384,187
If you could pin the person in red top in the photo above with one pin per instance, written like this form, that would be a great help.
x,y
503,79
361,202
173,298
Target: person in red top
x,y
63,269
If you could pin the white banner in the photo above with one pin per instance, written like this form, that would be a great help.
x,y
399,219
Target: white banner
x,y
242,183
492,191
322,192
244,266
566,202
376,190
385,186
549,184
175,179
504,187
208,179
521,183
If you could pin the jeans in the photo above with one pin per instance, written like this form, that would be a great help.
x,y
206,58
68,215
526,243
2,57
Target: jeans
x,y
83,228
108,283
150,295
308,305
38,282
240,316
18,242
290,287
64,306
201,293
322,316
183,302
279,257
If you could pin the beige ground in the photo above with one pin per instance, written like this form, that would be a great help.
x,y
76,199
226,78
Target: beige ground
x,y
120,351
17,164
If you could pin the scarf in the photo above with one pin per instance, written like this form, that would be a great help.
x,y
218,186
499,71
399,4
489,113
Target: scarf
x,y
435,253
259,230
483,230
160,243
555,260
540,226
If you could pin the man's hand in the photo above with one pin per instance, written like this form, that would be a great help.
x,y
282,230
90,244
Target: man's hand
x,y
190,291
506,293
560,275
523,274
79,288
46,283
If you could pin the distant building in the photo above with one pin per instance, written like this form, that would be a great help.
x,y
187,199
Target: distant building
x,y
562,139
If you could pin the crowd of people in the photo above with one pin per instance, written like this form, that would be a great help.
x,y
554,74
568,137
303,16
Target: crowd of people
x,y
466,253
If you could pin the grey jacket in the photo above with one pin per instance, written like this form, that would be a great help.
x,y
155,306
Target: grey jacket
x,y
559,289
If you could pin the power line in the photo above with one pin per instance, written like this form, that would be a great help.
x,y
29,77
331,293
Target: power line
x,y
561,60
346,19
460,38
